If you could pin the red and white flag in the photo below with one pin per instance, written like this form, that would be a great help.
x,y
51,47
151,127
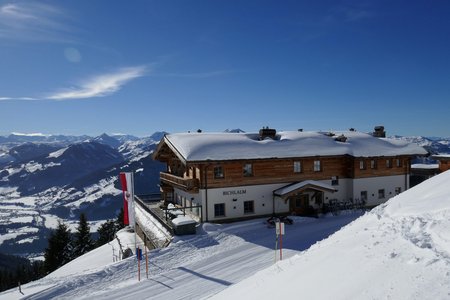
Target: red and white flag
x,y
127,182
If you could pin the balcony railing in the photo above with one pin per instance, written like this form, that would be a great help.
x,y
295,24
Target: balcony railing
x,y
187,184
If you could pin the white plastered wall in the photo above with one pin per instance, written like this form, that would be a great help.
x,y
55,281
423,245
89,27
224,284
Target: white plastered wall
x,y
374,184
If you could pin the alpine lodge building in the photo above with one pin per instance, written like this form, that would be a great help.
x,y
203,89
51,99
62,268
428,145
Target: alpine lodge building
x,y
228,176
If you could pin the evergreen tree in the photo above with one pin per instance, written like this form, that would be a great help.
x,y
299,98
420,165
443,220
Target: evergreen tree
x,y
83,242
59,250
119,220
106,232
15,269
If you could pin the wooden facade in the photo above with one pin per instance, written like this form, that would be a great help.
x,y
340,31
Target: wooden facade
x,y
191,176
444,162
225,186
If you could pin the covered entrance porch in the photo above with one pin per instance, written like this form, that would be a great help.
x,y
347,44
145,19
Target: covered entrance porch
x,y
305,197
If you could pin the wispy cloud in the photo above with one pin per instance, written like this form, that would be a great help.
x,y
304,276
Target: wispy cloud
x,y
17,98
101,85
96,86
197,75
33,21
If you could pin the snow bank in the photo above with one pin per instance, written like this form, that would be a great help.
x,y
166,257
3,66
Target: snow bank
x,y
400,250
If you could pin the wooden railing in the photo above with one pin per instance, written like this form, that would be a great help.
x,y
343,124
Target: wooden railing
x,y
185,183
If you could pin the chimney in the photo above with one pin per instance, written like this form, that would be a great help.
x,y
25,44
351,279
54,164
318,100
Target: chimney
x,y
379,132
342,138
267,133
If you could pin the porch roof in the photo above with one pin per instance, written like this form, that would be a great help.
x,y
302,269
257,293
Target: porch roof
x,y
303,185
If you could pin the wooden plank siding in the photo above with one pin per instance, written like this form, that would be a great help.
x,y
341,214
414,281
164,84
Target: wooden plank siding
x,y
381,168
269,171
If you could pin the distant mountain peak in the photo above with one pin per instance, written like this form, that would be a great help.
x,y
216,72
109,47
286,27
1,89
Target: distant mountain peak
x,y
237,130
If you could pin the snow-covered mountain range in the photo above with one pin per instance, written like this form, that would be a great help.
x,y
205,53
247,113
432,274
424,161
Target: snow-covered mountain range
x,y
46,178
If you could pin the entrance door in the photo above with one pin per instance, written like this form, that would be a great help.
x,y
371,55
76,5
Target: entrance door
x,y
300,204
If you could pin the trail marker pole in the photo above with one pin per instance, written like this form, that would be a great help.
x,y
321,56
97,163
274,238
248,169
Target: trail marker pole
x,y
279,229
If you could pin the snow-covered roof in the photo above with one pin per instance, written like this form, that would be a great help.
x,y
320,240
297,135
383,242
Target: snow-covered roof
x,y
287,144
425,166
183,220
441,156
299,185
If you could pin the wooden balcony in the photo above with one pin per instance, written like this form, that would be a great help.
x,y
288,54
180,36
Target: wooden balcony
x,y
187,184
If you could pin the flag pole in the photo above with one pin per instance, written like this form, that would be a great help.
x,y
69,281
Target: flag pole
x,y
134,214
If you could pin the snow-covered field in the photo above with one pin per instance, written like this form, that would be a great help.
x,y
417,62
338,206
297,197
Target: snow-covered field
x,y
192,267
400,250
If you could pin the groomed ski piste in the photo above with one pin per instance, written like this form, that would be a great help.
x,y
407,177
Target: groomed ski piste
x,y
400,250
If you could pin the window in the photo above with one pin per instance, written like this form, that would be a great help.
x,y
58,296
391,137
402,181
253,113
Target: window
x,y
249,207
219,210
317,166
248,170
297,167
362,165
398,190
388,163
364,196
373,164
381,194
398,162
218,172
335,180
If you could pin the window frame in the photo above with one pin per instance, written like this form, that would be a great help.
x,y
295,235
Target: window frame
x,y
222,172
297,166
381,194
366,195
317,167
388,163
362,164
252,204
246,168
217,209
373,164
334,180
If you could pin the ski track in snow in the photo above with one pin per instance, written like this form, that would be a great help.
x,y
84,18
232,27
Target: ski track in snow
x,y
192,267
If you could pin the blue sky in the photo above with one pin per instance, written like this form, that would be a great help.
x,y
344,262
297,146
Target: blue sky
x,y
88,67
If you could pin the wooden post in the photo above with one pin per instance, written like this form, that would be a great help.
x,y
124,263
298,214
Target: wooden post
x,y
281,246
